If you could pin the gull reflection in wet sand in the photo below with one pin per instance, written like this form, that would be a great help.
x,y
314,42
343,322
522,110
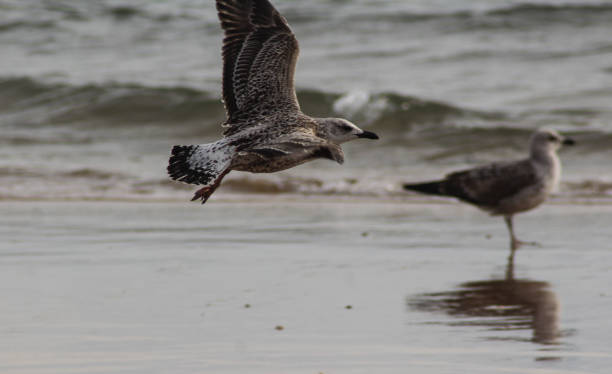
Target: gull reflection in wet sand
x,y
500,305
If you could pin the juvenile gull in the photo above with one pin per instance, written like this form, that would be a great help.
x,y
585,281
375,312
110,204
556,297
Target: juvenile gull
x,y
265,129
506,188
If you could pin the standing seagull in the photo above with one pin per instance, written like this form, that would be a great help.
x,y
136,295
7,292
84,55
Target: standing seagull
x,y
265,129
507,188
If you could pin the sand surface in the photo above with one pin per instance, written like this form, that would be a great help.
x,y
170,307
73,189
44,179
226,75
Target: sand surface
x,y
357,287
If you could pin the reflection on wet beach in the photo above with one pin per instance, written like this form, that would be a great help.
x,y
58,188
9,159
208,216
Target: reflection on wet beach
x,y
126,288
499,305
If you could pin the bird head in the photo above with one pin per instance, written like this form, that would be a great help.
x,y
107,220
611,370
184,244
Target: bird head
x,y
339,130
550,140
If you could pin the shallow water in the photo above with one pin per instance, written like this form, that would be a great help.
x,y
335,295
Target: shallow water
x,y
93,94
163,287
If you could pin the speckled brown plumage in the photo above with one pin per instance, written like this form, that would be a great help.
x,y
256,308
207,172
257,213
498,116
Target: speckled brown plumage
x,y
265,130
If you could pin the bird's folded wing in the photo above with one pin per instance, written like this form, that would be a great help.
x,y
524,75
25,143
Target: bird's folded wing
x,y
488,185
300,146
259,57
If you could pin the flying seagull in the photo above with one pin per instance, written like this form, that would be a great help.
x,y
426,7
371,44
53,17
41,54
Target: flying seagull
x,y
265,129
506,188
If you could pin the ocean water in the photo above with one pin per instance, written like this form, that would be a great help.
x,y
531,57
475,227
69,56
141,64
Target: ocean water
x,y
93,94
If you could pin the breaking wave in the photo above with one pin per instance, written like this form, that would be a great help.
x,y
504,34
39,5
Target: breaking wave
x,y
71,142
120,105
191,112
88,184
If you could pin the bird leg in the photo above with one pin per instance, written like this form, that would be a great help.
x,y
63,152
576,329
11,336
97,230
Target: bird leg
x,y
510,268
205,192
514,242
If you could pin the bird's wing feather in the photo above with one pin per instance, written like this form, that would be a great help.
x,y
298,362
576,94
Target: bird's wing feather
x,y
259,56
488,185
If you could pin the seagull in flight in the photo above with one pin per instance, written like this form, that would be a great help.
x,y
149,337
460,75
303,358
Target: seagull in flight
x,y
265,130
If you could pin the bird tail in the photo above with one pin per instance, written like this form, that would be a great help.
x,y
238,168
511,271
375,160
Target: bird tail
x,y
430,188
204,164
199,164
182,169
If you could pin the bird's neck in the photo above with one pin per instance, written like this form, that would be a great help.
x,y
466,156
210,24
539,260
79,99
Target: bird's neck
x,y
321,128
544,155
547,163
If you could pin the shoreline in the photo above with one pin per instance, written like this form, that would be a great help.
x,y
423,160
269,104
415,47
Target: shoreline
x,y
556,200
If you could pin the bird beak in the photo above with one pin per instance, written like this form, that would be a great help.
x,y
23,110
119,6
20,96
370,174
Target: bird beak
x,y
367,135
569,141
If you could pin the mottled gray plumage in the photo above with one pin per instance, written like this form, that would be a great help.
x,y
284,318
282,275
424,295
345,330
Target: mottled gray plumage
x,y
265,128
506,188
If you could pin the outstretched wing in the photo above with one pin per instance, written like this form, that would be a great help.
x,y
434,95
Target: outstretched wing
x,y
259,57
488,185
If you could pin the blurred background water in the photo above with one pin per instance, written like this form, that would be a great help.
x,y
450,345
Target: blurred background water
x,y
94,93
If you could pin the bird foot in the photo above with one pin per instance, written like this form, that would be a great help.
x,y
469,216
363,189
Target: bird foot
x,y
203,193
516,244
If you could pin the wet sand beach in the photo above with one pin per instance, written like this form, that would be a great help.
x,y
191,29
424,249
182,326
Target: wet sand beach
x,y
301,285
105,267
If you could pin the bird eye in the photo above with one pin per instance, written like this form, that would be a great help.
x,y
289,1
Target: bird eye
x,y
552,138
346,128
